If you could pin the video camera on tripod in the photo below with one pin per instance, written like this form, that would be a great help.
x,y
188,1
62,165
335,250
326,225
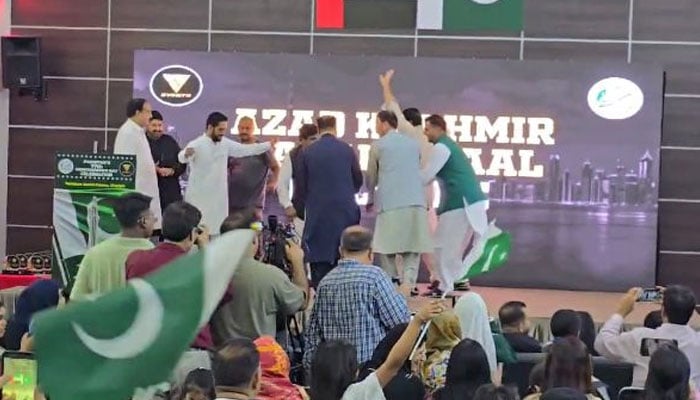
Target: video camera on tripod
x,y
274,240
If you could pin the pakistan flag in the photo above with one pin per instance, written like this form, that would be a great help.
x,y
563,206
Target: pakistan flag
x,y
132,338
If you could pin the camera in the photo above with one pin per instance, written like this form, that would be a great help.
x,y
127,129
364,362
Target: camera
x,y
274,240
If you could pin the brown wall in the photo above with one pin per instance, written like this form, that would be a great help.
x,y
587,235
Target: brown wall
x,y
88,48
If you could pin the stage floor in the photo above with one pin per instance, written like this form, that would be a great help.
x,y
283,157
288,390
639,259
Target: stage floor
x,y
543,303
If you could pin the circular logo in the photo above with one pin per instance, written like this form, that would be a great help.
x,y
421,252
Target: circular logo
x,y
126,168
65,166
615,98
176,85
485,2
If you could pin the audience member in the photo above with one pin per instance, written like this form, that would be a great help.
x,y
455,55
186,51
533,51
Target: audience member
x,y
492,392
356,302
588,332
653,320
103,266
443,335
467,370
516,327
260,292
677,309
38,296
563,393
474,321
535,381
669,375
3,326
181,232
275,367
568,365
199,385
405,385
237,370
565,323
335,364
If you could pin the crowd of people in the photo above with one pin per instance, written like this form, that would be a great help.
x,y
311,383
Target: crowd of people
x,y
355,336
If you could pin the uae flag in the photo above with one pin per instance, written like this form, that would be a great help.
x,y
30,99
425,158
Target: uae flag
x,y
466,15
366,14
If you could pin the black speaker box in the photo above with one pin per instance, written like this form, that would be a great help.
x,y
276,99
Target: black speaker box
x,y
21,62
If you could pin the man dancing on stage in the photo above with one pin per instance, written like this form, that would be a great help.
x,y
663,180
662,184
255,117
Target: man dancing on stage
x,y
207,156
462,206
402,219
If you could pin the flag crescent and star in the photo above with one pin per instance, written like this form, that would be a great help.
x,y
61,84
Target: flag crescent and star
x,y
133,337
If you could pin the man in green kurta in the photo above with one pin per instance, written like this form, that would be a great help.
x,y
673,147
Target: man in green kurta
x,y
462,204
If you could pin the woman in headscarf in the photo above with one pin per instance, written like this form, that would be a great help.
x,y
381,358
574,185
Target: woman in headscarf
x,y
474,322
39,296
443,335
275,366
405,385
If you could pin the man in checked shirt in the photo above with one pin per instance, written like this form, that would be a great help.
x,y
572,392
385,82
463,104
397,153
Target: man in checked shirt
x,y
356,302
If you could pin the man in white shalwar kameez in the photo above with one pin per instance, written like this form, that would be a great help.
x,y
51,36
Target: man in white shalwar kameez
x,y
131,139
207,156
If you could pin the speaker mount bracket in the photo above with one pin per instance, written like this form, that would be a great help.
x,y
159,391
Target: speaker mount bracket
x,y
40,93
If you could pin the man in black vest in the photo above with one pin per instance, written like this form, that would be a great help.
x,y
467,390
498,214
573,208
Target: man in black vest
x,y
164,149
294,207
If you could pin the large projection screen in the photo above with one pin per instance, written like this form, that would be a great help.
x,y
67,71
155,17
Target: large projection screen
x,y
567,152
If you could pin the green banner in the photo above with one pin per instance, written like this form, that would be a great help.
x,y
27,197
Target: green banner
x,y
82,211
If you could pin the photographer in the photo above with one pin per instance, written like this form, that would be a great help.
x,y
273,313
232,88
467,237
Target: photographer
x,y
260,292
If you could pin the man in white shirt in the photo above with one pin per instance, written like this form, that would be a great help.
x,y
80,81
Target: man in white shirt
x,y
207,156
131,139
289,200
678,307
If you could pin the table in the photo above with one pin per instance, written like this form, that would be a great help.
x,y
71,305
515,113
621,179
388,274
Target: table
x,y
9,280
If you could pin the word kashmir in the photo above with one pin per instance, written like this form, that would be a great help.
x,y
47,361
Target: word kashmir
x,y
490,158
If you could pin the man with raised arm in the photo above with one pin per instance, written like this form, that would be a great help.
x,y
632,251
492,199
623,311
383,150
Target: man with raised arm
x,y
207,156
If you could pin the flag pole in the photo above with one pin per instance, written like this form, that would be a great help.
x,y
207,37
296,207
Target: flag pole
x,y
423,332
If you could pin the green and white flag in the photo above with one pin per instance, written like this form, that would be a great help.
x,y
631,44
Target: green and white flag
x,y
131,339
466,15
495,254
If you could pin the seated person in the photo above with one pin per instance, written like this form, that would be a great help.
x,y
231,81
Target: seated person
x,y
564,323
567,365
356,301
516,327
237,370
260,293
677,308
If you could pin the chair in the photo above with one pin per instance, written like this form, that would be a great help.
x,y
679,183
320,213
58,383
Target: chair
x,y
631,393
518,373
616,375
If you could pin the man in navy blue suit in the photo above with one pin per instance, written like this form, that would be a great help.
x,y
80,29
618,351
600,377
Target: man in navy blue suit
x,y
328,180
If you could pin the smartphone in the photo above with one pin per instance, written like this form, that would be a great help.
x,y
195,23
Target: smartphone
x,y
650,295
649,345
21,369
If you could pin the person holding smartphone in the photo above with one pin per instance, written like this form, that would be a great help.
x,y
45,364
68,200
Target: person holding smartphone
x,y
678,306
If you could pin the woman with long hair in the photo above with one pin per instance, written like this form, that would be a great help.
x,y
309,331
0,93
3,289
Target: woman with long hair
x,y
568,365
467,369
669,375
334,367
587,333
405,385
275,367
443,335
